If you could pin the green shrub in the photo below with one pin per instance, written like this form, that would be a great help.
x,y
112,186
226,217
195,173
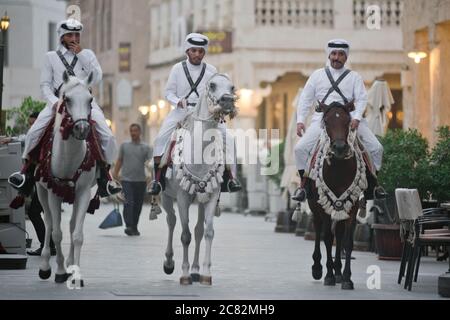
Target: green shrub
x,y
437,171
404,160
19,116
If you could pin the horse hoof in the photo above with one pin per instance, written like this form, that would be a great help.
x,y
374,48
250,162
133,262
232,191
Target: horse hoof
x,y
61,278
195,277
206,280
80,282
44,275
185,281
347,285
338,279
329,281
317,273
168,270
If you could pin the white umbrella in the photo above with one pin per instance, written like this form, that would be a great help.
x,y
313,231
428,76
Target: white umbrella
x,y
379,104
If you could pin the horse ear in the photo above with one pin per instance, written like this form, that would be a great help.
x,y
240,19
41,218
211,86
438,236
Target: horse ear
x,y
90,78
65,77
350,107
322,107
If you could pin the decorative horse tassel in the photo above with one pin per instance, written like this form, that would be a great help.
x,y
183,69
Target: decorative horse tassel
x,y
202,197
217,213
214,183
339,215
297,213
219,178
94,204
17,203
155,210
192,189
179,174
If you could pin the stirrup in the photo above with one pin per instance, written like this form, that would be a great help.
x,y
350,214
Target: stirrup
x,y
15,185
299,195
237,186
155,188
114,188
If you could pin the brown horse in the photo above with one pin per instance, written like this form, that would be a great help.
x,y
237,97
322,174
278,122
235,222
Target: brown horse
x,y
333,194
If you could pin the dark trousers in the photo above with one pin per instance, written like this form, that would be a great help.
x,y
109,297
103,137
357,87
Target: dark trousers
x,y
34,213
134,198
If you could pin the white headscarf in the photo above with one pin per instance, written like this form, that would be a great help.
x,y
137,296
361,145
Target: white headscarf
x,y
196,40
338,44
69,26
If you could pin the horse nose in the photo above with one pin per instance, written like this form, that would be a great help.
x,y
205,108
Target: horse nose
x,y
81,130
339,147
227,102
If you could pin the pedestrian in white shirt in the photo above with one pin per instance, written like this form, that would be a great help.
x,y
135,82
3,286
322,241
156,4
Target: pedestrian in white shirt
x,y
319,87
79,62
187,81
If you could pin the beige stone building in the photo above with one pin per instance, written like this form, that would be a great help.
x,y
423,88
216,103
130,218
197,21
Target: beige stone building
x,y
118,32
426,28
275,46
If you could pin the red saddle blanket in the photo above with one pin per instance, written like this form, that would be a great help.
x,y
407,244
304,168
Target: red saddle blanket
x,y
42,155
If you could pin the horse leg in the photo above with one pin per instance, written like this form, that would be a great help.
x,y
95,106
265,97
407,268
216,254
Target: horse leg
x,y
167,203
330,280
339,233
347,283
70,259
183,210
45,269
210,209
199,231
79,213
55,208
317,267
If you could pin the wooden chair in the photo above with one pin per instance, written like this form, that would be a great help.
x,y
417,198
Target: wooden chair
x,y
419,228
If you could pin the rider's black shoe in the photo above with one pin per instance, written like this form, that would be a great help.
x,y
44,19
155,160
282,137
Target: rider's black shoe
x,y
106,186
299,195
155,188
234,185
23,183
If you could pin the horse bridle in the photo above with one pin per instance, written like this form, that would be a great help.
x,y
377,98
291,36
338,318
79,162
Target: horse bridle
x,y
68,124
351,136
218,116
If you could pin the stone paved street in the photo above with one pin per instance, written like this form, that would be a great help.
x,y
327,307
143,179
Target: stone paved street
x,y
250,261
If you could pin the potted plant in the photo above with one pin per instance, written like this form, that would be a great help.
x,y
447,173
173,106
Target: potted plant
x,y
405,154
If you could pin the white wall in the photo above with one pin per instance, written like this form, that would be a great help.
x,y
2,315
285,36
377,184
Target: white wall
x,y
28,42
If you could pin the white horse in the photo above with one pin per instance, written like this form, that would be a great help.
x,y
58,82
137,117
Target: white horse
x,y
190,178
65,173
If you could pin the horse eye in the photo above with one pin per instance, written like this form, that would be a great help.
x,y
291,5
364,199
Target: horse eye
x,y
213,86
233,89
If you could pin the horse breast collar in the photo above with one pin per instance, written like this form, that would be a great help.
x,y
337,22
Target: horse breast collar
x,y
65,188
335,84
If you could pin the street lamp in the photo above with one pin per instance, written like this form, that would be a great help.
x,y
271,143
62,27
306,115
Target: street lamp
x,y
4,25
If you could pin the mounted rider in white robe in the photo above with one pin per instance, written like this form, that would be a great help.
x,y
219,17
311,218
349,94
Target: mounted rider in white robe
x,y
187,81
348,86
78,62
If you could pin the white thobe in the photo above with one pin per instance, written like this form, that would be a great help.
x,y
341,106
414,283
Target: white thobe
x,y
316,88
51,79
